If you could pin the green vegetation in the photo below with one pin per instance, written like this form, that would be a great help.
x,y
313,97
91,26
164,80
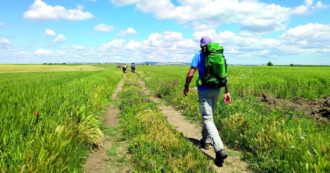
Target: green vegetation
x,y
273,139
50,120
282,82
155,145
46,68
269,63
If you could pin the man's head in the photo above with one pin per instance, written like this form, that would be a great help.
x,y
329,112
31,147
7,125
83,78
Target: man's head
x,y
204,41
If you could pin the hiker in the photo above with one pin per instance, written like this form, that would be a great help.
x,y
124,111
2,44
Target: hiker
x,y
133,67
208,96
124,67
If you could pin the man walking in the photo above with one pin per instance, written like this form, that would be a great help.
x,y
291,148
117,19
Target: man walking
x,y
133,67
124,67
208,97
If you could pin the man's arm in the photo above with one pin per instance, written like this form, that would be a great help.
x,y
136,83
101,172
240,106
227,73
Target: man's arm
x,y
227,97
226,88
189,77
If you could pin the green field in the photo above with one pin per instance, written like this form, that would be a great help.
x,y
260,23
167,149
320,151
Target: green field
x,y
51,116
46,68
49,120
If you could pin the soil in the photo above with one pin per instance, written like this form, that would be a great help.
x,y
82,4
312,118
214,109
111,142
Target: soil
x,y
99,161
192,132
318,108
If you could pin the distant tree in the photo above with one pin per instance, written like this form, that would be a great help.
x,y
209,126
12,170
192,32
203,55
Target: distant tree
x,y
269,64
291,65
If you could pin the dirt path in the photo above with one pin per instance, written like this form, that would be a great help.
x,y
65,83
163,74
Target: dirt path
x,y
233,164
111,155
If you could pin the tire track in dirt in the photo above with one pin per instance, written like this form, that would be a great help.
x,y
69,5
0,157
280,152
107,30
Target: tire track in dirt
x,y
233,164
99,160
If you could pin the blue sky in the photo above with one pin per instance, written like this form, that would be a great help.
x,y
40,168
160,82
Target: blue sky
x,y
252,31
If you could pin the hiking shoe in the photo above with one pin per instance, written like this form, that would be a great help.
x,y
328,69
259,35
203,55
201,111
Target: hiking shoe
x,y
203,144
220,157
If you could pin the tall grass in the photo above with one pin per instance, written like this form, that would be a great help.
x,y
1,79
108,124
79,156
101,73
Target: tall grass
x,y
50,120
273,140
282,82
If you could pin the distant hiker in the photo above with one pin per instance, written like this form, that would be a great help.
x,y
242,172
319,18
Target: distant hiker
x,y
133,67
124,67
212,70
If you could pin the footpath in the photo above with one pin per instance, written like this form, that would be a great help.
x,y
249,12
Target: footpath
x,y
233,164
111,156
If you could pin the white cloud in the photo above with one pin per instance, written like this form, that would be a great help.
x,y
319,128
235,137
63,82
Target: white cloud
x,y
78,47
133,45
128,31
43,52
165,47
319,5
103,28
114,44
313,38
310,40
4,41
50,32
251,15
305,44
59,38
39,10
309,2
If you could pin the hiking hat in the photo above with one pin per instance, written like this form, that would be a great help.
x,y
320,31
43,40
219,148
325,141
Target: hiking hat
x,y
205,40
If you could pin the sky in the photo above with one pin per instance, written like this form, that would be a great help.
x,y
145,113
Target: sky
x,y
125,31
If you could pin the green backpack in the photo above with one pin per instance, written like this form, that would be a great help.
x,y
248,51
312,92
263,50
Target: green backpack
x,y
215,67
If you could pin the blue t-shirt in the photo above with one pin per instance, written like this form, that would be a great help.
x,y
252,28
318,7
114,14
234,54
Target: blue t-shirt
x,y
198,63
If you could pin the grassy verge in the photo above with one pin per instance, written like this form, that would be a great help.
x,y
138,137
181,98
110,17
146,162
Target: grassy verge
x,y
155,146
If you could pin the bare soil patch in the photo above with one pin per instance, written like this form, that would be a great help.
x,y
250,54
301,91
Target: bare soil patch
x,y
111,155
318,108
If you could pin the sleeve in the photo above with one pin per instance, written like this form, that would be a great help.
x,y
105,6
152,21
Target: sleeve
x,y
195,61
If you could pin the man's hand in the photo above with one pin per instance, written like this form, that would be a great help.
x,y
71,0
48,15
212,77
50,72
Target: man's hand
x,y
185,91
190,75
227,98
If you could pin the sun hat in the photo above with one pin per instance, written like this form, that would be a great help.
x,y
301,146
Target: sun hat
x,y
205,40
